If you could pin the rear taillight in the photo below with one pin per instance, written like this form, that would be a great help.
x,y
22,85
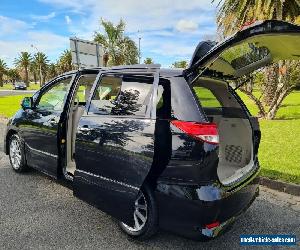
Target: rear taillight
x,y
212,225
206,132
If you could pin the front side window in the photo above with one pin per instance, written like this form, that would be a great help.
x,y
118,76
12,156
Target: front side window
x,y
55,97
85,84
122,95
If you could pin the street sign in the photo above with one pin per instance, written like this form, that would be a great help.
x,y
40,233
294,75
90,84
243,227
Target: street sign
x,y
86,53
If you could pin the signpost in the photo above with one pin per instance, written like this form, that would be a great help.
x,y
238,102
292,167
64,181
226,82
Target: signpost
x,y
86,53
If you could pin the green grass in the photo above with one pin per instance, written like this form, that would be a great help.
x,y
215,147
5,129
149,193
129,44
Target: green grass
x,y
9,86
279,152
10,104
207,98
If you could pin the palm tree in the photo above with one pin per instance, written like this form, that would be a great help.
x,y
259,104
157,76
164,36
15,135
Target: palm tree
x,y
65,61
13,75
233,14
41,61
52,70
34,70
148,60
3,69
23,61
119,48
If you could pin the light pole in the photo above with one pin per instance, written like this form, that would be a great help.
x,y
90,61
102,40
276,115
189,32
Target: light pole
x,y
139,47
40,66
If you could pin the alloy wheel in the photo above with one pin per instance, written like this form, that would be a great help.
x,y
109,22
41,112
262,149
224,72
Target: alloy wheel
x,y
15,153
139,215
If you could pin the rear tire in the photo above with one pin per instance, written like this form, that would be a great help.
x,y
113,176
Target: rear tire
x,y
16,154
145,216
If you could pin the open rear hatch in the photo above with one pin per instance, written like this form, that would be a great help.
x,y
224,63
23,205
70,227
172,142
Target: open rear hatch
x,y
249,49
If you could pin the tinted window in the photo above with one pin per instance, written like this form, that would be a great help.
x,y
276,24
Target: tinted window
x,y
163,106
55,97
244,54
85,84
207,98
122,95
184,105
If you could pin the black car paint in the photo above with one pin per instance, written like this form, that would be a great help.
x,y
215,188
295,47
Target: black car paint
x,y
180,169
109,177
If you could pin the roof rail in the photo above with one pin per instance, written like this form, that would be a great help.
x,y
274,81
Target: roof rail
x,y
137,66
133,67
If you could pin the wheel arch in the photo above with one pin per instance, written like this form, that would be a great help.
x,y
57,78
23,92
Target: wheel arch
x,y
8,135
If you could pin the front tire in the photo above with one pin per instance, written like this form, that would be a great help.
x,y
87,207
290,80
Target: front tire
x,y
16,154
145,216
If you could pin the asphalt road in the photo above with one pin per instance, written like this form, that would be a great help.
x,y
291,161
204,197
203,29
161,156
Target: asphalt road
x,y
16,92
37,212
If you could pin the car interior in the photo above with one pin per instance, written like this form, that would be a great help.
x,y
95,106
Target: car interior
x,y
77,109
235,132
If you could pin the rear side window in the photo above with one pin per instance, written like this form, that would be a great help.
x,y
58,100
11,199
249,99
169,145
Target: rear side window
x,y
122,95
184,105
207,98
214,94
163,105
216,99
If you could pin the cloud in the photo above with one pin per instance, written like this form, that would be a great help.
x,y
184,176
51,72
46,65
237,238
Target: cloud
x,y
186,25
139,15
10,25
44,18
68,20
159,22
23,36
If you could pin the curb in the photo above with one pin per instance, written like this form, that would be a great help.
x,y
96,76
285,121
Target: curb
x,y
280,186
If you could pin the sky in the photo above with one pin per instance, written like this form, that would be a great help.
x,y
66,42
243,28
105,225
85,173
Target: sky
x,y
169,30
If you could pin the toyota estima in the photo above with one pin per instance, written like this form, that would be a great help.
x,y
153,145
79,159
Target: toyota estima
x,y
155,148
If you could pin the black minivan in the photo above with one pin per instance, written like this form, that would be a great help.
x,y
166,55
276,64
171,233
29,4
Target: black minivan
x,y
155,148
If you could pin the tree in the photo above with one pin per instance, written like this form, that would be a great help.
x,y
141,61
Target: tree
x,y
282,80
41,61
34,70
232,14
13,75
65,61
277,83
23,61
52,70
119,49
148,60
180,64
3,69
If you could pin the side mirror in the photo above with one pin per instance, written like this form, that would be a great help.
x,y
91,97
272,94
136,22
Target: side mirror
x,y
27,103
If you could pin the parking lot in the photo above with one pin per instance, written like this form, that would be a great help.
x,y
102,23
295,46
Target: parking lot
x,y
37,212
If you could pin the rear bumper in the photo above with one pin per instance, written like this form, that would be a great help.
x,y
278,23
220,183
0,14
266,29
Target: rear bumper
x,y
186,210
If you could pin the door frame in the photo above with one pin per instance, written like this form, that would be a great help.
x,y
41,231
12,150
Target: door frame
x,y
84,181
63,130
44,89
